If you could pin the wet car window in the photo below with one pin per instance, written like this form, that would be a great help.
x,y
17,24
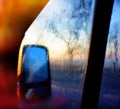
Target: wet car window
x,y
64,27
110,89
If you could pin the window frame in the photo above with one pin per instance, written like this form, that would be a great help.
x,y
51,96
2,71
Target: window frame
x,y
96,55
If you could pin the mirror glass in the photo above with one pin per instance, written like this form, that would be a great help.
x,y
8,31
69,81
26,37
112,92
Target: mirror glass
x,y
35,64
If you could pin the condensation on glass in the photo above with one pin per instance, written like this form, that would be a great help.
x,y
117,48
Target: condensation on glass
x,y
64,27
110,89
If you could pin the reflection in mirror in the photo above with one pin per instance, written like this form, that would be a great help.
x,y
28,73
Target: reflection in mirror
x,y
34,80
34,64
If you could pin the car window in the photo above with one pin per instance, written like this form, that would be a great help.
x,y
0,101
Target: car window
x,y
110,89
64,27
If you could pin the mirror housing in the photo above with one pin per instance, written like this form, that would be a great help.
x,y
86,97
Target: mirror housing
x,y
34,81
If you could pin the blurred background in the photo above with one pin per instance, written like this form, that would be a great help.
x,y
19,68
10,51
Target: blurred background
x,y
15,17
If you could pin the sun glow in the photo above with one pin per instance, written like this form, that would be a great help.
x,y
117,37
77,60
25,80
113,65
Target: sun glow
x,y
57,48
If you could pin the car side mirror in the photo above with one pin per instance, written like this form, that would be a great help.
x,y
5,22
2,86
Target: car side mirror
x,y
34,81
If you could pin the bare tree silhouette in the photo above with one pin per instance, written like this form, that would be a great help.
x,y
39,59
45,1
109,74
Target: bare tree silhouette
x,y
73,23
114,45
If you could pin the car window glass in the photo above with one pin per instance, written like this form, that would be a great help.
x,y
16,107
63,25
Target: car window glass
x,y
64,27
110,89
